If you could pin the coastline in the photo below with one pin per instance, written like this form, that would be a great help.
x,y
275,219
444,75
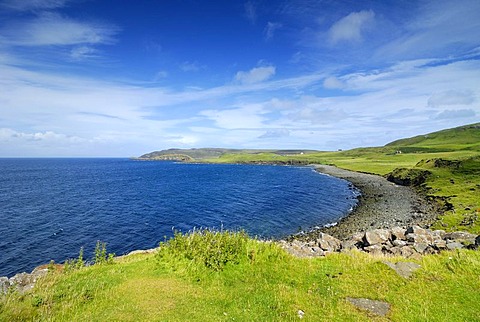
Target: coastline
x,y
382,204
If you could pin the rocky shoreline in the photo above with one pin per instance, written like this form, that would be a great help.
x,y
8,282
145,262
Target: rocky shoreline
x,y
382,204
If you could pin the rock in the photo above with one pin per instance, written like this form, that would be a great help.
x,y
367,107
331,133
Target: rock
x,y
376,307
399,243
376,236
440,234
415,230
328,243
404,269
440,244
420,247
477,241
406,251
374,249
4,285
349,245
461,237
454,245
397,233
23,282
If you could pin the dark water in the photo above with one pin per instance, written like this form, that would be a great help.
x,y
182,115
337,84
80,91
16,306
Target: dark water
x,y
49,208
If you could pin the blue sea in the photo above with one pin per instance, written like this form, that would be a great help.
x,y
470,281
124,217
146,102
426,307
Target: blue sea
x,y
50,208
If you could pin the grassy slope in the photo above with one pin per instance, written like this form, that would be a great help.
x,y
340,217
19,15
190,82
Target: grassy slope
x,y
266,284
263,284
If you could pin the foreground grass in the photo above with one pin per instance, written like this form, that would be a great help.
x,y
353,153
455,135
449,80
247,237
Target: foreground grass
x,y
257,281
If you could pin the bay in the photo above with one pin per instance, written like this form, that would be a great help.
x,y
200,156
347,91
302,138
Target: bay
x,y
50,208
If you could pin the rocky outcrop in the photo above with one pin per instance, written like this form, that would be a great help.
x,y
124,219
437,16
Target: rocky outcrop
x,y
410,242
22,282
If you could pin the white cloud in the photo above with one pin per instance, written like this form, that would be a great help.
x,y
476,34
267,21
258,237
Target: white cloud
x,y
451,97
83,52
351,27
191,66
255,75
53,29
270,29
275,133
25,5
245,117
7,134
455,114
332,83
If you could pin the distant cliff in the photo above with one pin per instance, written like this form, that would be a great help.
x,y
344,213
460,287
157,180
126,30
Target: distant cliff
x,y
210,153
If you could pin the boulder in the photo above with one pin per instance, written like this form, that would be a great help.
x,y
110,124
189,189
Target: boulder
x,y
399,243
376,237
440,244
406,251
398,233
374,249
328,243
404,269
454,245
420,247
477,241
461,237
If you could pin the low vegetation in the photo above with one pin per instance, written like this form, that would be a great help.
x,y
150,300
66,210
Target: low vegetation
x,y
228,276
225,276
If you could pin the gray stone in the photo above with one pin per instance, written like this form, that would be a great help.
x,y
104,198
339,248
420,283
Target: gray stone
x,y
349,244
399,243
374,249
23,282
328,243
4,285
376,307
440,234
477,241
406,251
420,247
454,245
461,237
440,244
404,269
376,236
398,233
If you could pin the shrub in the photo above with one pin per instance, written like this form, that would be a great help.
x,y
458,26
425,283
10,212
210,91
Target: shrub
x,y
213,249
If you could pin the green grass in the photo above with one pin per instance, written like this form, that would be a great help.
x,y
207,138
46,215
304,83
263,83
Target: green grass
x,y
262,283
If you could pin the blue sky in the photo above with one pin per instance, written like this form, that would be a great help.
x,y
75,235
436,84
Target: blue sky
x,y
122,78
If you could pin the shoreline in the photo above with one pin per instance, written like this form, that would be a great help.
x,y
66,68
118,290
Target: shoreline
x,y
381,204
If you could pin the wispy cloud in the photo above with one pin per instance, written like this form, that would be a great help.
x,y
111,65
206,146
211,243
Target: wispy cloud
x,y
191,66
27,5
251,11
255,75
351,27
270,29
53,29
437,29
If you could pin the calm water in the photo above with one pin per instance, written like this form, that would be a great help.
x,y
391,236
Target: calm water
x,y
49,208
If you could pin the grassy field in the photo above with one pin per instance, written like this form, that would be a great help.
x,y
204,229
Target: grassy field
x,y
250,280
225,276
